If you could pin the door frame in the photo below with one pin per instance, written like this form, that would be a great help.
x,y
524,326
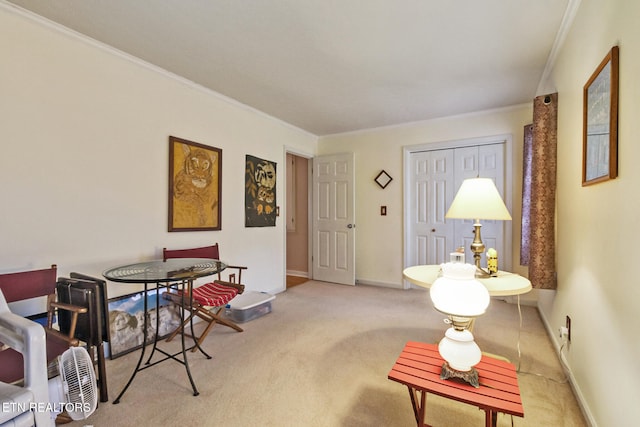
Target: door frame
x,y
506,139
309,156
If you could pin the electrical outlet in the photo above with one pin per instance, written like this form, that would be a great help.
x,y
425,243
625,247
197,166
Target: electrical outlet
x,y
563,332
568,326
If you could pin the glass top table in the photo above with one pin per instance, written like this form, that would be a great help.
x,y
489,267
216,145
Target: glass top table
x,y
160,271
175,273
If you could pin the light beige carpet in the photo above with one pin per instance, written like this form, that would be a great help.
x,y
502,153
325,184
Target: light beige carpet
x,y
321,358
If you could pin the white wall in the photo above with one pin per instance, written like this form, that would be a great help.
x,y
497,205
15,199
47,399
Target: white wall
x,y
597,247
84,158
379,239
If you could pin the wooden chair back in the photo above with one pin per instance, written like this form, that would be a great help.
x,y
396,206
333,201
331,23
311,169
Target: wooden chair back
x,y
211,252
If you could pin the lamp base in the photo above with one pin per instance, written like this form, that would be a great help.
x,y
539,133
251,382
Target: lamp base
x,y
484,274
470,376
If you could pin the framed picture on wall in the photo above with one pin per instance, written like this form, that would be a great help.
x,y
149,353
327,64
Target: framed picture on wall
x,y
195,186
600,122
126,321
260,192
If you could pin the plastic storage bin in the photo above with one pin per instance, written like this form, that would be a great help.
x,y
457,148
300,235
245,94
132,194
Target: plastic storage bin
x,y
249,306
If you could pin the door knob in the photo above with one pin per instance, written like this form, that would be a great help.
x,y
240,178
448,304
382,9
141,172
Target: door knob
x,y
433,230
351,225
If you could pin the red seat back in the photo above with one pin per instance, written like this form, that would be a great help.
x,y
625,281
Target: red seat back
x,y
28,284
210,252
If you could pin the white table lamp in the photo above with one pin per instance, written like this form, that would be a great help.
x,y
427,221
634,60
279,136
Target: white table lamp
x,y
460,296
478,198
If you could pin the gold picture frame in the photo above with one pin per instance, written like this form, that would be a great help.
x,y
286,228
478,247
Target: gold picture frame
x,y
195,186
600,122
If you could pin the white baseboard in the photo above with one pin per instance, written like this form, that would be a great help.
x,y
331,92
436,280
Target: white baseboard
x,y
378,283
298,273
524,300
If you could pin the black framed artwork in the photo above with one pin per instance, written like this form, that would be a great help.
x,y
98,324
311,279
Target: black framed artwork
x,y
383,179
260,192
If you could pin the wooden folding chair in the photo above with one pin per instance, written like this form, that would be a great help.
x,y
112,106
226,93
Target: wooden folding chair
x,y
28,285
209,299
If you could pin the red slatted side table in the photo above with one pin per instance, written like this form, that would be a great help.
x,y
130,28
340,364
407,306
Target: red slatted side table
x,y
418,367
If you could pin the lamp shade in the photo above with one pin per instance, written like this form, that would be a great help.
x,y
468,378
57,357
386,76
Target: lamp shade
x,y
478,198
458,293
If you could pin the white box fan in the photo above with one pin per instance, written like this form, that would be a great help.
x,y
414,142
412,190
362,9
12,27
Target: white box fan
x,y
75,390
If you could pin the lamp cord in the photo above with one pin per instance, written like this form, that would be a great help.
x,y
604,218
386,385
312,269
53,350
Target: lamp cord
x,y
519,332
564,381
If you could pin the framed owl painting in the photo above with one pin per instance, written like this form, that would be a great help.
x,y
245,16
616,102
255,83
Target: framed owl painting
x,y
195,184
260,193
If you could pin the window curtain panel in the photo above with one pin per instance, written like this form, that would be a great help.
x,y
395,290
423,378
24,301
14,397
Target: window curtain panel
x,y
527,151
539,193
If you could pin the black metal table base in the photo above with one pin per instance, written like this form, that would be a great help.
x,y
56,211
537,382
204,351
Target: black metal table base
x,y
173,356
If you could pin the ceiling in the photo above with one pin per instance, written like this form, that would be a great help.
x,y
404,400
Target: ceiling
x,y
333,66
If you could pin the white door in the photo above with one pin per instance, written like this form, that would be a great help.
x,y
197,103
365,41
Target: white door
x,y
432,189
333,219
434,178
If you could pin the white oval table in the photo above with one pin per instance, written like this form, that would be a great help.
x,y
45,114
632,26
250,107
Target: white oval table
x,y
505,284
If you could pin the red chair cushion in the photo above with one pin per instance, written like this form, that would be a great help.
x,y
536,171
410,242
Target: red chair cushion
x,y
12,363
214,294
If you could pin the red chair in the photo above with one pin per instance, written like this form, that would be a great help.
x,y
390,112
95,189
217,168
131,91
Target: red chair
x,y
208,299
33,284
